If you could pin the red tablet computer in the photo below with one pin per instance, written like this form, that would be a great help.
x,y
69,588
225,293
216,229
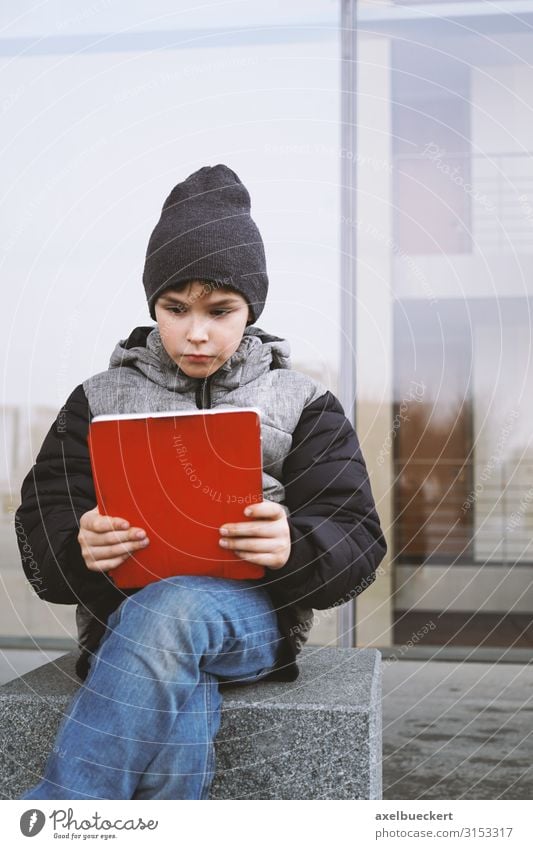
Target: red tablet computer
x,y
179,475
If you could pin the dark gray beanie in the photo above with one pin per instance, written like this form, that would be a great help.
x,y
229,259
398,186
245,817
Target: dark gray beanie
x,y
205,232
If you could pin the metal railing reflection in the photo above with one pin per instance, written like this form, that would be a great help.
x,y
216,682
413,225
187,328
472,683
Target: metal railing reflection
x,y
445,510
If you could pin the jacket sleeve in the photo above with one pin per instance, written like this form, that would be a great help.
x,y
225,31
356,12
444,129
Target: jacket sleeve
x,y
55,493
336,538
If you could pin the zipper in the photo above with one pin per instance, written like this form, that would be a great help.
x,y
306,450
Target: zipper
x,y
202,395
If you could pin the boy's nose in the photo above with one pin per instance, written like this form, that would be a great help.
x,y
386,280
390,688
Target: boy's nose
x,y
197,331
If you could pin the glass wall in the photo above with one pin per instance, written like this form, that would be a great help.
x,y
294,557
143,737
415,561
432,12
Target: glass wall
x,y
444,284
102,122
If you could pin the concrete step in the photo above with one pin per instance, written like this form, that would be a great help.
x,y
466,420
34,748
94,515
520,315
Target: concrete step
x,y
318,737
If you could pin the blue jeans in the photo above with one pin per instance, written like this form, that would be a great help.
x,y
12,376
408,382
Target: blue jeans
x,y
143,724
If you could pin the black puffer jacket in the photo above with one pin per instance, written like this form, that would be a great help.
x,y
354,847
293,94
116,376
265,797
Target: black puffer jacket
x,y
336,538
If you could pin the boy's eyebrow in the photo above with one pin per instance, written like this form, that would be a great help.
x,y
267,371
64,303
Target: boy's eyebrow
x,y
230,299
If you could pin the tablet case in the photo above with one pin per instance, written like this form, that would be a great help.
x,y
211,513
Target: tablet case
x,y
179,475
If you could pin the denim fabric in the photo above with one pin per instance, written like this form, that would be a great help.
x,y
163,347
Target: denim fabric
x,y
142,725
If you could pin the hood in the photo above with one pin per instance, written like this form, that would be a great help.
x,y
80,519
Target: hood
x,y
257,353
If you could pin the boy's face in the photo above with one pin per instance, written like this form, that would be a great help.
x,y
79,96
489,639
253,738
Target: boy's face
x,y
202,319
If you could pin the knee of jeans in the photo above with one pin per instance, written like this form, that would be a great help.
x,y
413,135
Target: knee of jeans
x,y
167,608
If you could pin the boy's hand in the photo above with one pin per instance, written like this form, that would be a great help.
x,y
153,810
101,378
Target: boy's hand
x,y
265,541
107,541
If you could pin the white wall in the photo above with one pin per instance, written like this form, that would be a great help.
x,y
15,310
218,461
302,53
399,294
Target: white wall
x,y
95,144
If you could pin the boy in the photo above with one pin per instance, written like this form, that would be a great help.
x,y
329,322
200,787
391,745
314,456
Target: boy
x,y
144,722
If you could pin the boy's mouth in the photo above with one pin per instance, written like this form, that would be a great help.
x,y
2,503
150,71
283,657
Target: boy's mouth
x,y
197,358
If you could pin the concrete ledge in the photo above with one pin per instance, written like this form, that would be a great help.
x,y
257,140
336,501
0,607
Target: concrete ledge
x,y
315,738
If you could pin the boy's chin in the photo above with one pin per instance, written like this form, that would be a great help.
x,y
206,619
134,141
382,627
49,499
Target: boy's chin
x,y
198,369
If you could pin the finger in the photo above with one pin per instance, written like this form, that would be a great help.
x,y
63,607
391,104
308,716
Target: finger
x,y
106,565
99,523
254,545
264,510
113,537
106,552
250,529
259,558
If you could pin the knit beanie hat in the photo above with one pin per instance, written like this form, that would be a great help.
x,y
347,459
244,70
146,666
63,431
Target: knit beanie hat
x,y
205,232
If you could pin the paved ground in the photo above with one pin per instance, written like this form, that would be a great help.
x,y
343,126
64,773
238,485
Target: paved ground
x,y
457,731
17,662
450,731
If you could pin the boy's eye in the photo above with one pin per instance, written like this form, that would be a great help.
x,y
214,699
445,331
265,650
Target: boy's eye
x,y
179,310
